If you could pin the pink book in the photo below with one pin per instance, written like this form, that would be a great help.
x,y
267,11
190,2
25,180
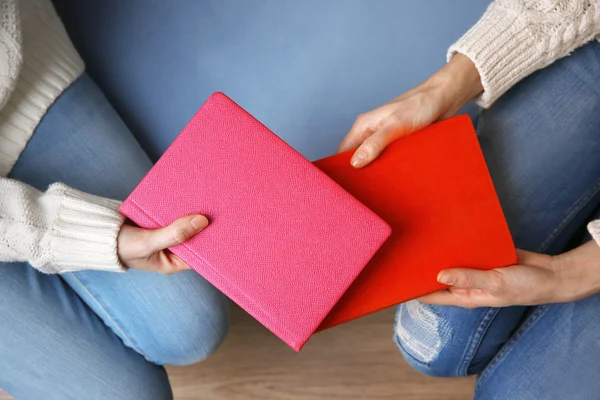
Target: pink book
x,y
284,241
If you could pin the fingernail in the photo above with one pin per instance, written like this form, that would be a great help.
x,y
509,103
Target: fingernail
x,y
199,222
446,279
358,159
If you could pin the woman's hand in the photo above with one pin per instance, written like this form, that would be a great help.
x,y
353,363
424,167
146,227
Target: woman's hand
x,y
146,249
440,97
538,279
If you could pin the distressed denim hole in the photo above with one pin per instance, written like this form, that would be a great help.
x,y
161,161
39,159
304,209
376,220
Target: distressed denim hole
x,y
420,331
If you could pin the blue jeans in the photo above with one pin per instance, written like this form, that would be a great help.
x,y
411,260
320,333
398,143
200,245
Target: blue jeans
x,y
542,144
97,335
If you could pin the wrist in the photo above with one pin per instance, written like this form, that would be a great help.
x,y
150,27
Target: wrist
x,y
578,272
458,81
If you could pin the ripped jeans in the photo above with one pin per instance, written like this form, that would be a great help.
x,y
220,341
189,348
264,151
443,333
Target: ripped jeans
x,y
541,141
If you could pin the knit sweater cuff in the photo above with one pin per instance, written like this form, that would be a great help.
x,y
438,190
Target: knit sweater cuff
x,y
594,228
501,48
84,235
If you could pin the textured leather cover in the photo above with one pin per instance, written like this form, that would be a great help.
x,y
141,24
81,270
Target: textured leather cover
x,y
284,241
434,189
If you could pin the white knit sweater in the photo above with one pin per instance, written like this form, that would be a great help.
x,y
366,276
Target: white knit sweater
x,y
515,38
67,230
62,229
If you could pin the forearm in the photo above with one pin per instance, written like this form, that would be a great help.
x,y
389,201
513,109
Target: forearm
x,y
60,230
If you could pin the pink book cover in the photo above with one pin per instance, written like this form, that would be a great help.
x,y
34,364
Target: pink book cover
x,y
284,241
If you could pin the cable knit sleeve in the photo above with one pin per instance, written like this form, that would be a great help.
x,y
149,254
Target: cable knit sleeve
x,y
594,228
60,230
514,38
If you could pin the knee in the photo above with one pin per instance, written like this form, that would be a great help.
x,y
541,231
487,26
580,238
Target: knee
x,y
423,337
192,335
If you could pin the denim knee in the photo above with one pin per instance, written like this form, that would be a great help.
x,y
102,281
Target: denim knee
x,y
424,337
191,338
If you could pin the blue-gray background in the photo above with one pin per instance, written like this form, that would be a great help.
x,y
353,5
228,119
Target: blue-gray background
x,y
303,68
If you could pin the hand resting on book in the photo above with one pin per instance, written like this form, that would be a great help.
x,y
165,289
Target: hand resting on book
x,y
538,279
440,97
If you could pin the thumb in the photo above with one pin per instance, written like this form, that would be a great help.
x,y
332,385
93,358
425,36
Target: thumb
x,y
469,278
178,232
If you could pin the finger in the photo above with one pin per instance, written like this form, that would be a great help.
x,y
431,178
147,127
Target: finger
x,y
361,129
372,147
491,281
175,264
460,297
365,125
162,262
178,232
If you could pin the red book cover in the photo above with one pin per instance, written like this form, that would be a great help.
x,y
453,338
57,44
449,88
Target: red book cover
x,y
434,189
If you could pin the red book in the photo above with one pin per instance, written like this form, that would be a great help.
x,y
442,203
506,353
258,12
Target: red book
x,y
434,189
284,241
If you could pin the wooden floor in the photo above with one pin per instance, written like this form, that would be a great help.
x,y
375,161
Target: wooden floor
x,y
355,361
